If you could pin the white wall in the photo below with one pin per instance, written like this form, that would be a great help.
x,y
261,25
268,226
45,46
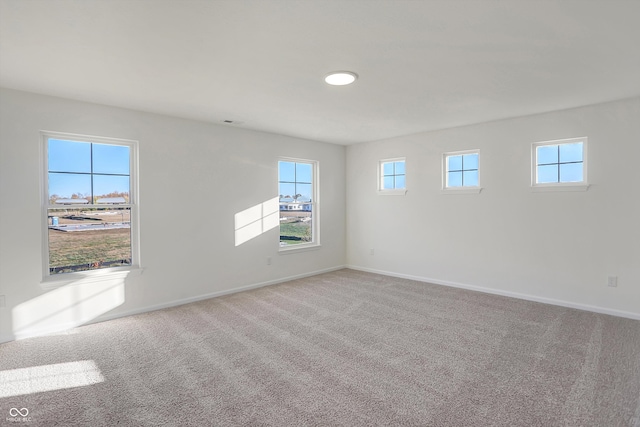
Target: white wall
x,y
555,247
214,171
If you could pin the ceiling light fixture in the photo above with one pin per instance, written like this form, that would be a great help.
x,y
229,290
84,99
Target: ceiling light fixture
x,y
341,78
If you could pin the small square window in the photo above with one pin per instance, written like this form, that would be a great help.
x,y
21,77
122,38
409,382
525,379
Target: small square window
x,y
461,171
392,176
559,163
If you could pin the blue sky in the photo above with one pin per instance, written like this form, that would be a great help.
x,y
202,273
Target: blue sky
x,y
555,163
72,165
295,178
462,170
394,175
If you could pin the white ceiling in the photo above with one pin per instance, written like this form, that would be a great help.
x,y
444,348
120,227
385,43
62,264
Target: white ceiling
x,y
423,65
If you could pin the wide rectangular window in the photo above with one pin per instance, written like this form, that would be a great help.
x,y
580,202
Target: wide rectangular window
x,y
89,203
559,163
298,203
392,175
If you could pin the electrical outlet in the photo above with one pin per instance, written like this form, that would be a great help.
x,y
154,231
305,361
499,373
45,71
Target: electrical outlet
x,y
612,281
268,260
3,302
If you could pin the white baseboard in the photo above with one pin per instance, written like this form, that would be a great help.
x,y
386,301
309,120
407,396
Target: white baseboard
x,y
60,328
528,297
6,338
212,295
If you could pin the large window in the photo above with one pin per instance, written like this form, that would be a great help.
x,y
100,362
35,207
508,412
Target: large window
x,y
298,203
559,163
89,203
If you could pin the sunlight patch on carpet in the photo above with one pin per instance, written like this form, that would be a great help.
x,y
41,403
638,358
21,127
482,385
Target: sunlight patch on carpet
x,y
36,379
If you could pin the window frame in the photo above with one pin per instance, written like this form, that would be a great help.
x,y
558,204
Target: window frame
x,y
391,191
464,189
559,186
315,206
132,205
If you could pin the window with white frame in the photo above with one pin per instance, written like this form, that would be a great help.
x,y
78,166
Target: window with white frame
x,y
298,201
461,170
89,203
392,175
559,163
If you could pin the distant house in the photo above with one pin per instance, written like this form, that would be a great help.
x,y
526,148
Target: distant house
x,y
300,204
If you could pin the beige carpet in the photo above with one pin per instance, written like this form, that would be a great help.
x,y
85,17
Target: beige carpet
x,y
340,349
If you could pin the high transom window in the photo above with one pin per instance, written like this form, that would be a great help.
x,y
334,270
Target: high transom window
x,y
462,169
563,162
393,174
559,163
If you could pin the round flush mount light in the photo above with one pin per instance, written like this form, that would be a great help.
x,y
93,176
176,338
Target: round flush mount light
x,y
340,78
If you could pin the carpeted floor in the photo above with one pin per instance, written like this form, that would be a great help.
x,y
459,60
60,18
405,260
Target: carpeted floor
x,y
340,349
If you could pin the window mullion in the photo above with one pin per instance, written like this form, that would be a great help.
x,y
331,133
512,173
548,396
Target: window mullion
x,y
558,164
91,168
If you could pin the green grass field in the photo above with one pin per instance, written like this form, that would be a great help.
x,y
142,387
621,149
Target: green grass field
x,y
87,250
296,232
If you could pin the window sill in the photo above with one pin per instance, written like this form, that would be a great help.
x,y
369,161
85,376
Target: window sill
x,y
88,277
559,187
462,190
291,249
398,192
